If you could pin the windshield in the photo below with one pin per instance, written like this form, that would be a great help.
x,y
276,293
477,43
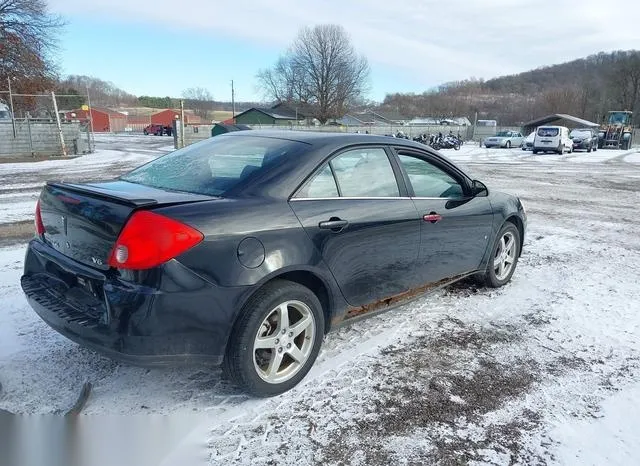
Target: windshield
x,y
503,134
4,115
214,166
618,118
548,132
580,133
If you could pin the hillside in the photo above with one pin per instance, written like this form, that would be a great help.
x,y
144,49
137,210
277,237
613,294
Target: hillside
x,y
586,87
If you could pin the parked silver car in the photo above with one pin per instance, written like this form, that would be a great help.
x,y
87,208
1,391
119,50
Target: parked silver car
x,y
506,139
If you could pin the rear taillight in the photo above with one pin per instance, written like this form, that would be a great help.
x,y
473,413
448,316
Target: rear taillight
x,y
38,220
149,239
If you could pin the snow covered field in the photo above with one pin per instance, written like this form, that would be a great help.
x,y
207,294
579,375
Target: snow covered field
x,y
543,371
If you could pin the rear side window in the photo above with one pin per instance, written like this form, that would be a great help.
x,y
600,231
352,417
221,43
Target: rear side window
x,y
548,132
363,172
216,165
323,184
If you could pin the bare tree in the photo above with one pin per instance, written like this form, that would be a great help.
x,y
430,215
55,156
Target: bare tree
x,y
321,69
27,42
199,100
625,79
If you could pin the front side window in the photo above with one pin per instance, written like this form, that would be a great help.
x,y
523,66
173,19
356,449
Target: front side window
x,y
429,180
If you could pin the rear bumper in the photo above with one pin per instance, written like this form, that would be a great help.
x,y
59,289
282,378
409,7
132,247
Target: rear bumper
x,y
179,319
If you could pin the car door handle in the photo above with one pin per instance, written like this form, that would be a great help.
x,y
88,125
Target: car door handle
x,y
432,217
333,224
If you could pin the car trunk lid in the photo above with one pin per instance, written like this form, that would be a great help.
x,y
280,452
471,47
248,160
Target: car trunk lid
x,y
83,221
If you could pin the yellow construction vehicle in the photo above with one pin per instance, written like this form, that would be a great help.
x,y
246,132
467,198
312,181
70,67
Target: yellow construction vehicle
x,y
616,132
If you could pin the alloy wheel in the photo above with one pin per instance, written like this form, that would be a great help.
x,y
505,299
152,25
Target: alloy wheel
x,y
284,342
505,256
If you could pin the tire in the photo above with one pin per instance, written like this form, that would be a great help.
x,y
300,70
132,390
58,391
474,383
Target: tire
x,y
456,146
508,145
492,278
535,152
249,367
560,150
589,149
625,145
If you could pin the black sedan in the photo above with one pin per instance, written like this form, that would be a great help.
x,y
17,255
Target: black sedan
x,y
247,248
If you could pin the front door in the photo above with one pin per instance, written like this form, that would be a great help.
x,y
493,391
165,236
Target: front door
x,y
367,234
455,226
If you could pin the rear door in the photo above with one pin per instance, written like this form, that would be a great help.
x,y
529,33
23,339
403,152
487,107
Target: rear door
x,y
361,221
455,227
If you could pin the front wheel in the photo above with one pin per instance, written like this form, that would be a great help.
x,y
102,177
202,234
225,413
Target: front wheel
x,y
276,339
508,145
504,257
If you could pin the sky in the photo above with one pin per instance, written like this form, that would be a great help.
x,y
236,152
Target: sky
x,y
162,47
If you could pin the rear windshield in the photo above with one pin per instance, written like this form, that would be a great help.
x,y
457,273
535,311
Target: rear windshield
x,y
548,132
214,166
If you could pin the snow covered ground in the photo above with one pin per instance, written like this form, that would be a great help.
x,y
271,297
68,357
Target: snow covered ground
x,y
543,371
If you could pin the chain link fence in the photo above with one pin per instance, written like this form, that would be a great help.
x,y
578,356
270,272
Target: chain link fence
x,y
36,125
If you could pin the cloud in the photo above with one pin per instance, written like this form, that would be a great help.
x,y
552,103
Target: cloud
x,y
430,41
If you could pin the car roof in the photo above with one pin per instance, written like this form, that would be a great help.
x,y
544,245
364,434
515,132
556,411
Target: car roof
x,y
321,138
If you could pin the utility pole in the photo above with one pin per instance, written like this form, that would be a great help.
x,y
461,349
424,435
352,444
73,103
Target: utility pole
x,y
13,115
233,102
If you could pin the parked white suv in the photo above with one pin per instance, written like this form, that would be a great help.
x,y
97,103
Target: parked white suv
x,y
552,139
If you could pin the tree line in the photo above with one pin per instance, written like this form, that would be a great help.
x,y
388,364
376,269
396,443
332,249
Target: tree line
x,y
586,88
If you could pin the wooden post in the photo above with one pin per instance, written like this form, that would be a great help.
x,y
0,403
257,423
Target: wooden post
x,y
181,124
92,139
13,115
29,130
55,109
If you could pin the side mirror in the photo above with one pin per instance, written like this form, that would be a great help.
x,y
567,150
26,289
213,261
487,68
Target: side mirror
x,y
479,189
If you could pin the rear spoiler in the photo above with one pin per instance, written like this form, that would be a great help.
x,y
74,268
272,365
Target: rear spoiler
x,y
103,193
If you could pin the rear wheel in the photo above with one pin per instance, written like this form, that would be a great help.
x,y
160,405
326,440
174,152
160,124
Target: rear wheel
x,y
504,257
276,339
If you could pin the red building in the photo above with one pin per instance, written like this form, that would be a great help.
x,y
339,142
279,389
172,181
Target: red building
x,y
166,117
104,120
